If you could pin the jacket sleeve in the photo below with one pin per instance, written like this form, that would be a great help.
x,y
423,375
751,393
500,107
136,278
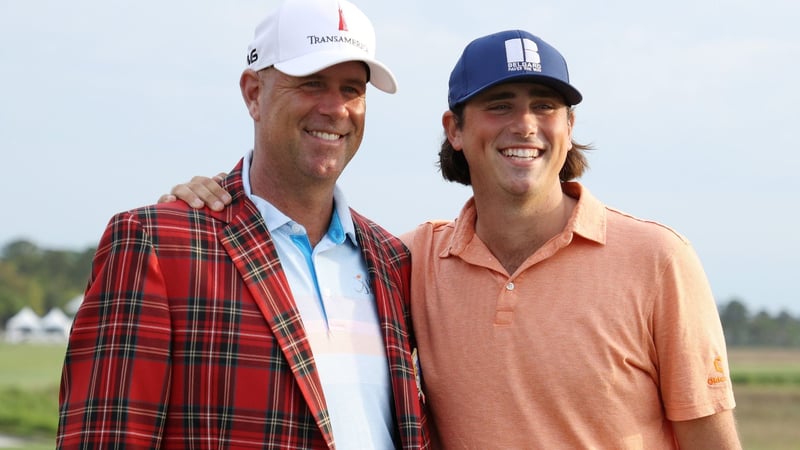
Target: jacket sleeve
x,y
115,379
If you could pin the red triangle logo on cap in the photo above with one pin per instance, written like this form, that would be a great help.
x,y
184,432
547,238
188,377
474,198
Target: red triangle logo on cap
x,y
342,22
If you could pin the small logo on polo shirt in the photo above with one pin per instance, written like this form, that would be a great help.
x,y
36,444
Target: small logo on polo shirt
x,y
362,287
717,379
718,364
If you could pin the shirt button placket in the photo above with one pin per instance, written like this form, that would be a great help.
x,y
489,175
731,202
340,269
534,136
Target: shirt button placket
x,y
505,309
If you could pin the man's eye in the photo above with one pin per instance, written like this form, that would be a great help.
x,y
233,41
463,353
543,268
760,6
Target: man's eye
x,y
352,90
499,107
544,106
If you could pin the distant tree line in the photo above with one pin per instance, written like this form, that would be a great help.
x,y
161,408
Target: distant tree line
x,y
743,328
40,278
45,278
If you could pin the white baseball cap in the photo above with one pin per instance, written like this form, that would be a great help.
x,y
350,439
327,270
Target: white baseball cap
x,y
302,37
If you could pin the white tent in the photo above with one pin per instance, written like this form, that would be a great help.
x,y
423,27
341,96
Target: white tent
x,y
23,326
55,325
72,306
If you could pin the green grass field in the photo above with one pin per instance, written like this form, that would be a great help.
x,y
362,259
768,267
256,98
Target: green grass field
x,y
766,383
767,389
29,378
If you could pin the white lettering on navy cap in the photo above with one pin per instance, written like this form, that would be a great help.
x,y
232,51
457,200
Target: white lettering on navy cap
x,y
522,54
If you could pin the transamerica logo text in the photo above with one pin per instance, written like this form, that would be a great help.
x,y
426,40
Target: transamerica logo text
x,y
314,40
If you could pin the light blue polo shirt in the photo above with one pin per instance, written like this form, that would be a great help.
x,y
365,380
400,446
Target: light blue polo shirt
x,y
333,294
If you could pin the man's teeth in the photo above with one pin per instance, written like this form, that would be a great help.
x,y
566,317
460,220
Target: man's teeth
x,y
326,136
521,152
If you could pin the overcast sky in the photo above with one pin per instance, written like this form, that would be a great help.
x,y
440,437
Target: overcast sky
x,y
691,105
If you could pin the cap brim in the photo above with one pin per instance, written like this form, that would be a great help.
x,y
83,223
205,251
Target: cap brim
x,y
570,94
380,76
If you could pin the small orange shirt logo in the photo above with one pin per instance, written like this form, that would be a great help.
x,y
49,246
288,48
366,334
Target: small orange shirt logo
x,y
718,364
718,367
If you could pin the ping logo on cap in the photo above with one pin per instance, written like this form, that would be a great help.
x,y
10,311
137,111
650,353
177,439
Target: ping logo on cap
x,y
522,54
252,56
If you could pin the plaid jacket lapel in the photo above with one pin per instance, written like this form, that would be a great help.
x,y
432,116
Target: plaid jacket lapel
x,y
389,265
250,246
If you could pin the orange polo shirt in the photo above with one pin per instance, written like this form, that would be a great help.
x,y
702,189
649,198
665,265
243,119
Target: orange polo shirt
x,y
602,337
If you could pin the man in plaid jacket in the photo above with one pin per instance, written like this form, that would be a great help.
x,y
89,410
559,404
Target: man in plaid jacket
x,y
237,329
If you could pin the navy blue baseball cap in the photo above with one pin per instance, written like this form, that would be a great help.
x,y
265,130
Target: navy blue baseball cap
x,y
511,55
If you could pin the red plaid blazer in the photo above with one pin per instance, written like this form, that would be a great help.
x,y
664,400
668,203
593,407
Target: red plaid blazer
x,y
188,337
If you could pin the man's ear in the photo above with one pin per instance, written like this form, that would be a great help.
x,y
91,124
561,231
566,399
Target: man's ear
x,y
451,129
571,121
250,85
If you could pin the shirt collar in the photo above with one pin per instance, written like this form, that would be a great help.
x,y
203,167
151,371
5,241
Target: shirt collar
x,y
589,216
341,221
588,219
